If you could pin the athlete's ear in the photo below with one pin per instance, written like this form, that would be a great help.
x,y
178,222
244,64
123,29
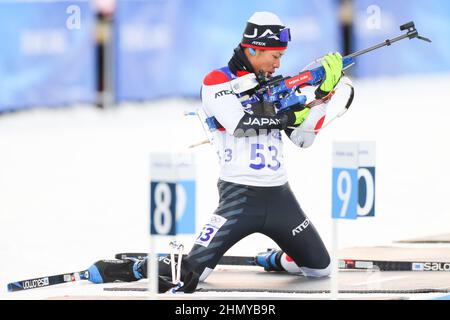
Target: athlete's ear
x,y
251,52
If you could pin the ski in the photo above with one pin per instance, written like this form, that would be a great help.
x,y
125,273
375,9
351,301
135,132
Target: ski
x,y
47,281
225,260
344,264
84,275
393,265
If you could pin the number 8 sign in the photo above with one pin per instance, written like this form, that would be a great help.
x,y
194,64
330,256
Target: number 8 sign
x,y
353,180
172,194
162,208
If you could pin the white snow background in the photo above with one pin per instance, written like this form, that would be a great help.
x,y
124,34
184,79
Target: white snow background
x,y
74,182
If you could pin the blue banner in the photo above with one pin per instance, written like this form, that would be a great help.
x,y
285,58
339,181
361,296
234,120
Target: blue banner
x,y
165,48
47,53
376,21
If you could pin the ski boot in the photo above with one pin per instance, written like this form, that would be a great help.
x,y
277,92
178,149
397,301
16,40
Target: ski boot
x,y
132,269
124,270
269,260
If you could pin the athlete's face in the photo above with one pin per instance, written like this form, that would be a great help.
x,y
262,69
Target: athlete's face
x,y
266,61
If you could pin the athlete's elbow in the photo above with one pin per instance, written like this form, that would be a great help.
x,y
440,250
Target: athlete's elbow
x,y
307,143
302,140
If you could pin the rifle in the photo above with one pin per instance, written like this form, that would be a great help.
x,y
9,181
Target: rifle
x,y
283,91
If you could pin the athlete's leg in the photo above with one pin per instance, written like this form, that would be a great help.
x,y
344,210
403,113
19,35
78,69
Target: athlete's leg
x,y
302,248
240,213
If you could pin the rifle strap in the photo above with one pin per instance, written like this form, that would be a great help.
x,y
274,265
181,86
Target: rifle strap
x,y
326,99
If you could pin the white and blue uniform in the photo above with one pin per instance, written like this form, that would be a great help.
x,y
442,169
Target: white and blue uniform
x,y
252,160
254,195
253,189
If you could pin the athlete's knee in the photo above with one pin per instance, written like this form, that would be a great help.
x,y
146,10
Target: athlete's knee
x,y
316,273
321,268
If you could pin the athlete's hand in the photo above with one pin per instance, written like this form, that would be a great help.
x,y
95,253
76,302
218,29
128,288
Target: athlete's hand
x,y
332,64
296,115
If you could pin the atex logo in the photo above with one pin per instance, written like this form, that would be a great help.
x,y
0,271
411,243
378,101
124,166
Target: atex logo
x,y
259,43
300,227
223,93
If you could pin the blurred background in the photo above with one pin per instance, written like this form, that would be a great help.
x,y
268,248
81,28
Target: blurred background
x,y
88,89
106,52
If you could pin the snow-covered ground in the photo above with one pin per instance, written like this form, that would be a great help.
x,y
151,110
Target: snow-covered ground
x,y
74,181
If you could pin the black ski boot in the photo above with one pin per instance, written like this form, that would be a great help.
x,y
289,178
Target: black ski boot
x,y
131,269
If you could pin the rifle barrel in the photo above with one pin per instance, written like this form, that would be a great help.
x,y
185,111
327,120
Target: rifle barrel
x,y
387,42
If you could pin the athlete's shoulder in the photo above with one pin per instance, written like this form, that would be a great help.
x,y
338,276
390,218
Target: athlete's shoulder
x,y
217,76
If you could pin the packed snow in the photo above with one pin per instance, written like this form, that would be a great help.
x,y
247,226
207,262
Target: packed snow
x,y
74,182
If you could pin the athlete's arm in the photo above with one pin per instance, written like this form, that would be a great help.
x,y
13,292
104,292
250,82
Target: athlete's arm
x,y
219,100
304,135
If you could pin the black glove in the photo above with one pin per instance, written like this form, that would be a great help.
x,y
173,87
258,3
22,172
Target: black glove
x,y
294,116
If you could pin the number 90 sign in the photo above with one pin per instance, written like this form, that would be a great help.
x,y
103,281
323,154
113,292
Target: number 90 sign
x,y
353,185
